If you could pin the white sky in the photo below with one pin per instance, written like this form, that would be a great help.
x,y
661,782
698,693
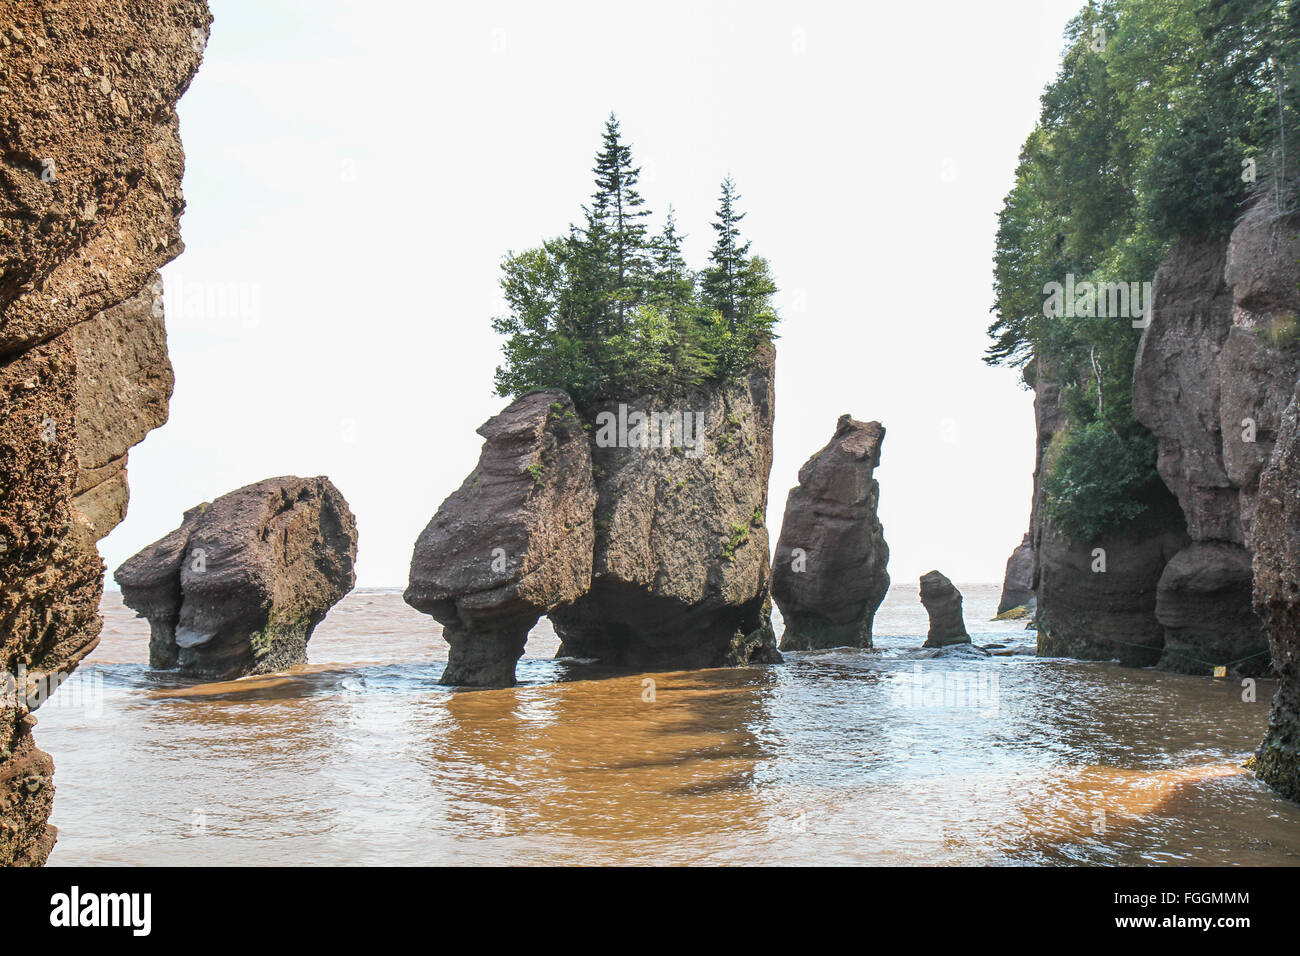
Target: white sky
x,y
355,171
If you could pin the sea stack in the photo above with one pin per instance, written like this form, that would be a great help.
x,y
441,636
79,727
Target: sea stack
x,y
942,602
680,571
1018,582
239,587
512,543
829,574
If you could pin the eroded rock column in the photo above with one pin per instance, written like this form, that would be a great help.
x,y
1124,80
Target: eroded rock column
x,y
829,572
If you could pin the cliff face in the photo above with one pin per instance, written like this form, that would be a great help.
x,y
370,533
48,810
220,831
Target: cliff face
x,y
1187,389
1097,599
1214,372
90,170
830,565
1277,601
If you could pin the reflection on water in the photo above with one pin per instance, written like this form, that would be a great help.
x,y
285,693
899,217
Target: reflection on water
x,y
896,755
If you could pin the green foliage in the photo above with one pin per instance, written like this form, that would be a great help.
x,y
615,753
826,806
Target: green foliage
x,y
1141,142
611,310
1099,478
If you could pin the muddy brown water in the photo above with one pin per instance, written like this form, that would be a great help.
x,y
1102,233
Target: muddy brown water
x,y
890,756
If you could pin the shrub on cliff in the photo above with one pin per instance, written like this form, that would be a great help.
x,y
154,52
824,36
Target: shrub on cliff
x,y
610,309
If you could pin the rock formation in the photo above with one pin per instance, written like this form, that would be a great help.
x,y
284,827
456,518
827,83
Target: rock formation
x,y
1277,601
680,571
239,587
942,603
829,572
512,543
644,550
90,197
1018,582
1190,358
1097,600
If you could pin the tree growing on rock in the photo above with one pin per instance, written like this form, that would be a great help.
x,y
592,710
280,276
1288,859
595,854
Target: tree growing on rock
x,y
610,309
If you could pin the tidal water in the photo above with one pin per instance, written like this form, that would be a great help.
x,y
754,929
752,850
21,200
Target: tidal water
x,y
896,755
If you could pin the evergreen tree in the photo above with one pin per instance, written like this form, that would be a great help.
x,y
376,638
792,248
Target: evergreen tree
x,y
615,240
721,282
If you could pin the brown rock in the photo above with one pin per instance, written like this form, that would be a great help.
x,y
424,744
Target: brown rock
x,y
239,587
1018,582
830,567
89,202
942,603
512,543
1277,602
680,572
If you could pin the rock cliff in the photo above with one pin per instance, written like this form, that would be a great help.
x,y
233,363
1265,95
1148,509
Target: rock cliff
x,y
239,587
829,572
1187,389
90,171
680,570
1277,601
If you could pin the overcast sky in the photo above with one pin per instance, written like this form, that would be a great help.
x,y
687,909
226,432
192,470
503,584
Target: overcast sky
x,y
355,171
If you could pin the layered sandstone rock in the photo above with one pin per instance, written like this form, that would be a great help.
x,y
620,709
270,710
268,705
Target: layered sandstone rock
x,y
514,542
1096,600
829,572
1277,601
1018,581
1187,363
90,170
942,603
636,525
239,587
680,570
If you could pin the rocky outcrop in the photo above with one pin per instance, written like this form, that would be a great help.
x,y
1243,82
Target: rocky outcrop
x,y
829,574
1187,363
942,603
239,587
514,542
1018,581
90,171
1097,600
635,525
680,570
1277,602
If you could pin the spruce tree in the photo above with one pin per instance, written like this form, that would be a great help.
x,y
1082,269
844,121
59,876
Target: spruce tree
x,y
721,282
615,240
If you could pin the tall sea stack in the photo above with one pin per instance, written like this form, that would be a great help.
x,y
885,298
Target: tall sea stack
x,y
829,573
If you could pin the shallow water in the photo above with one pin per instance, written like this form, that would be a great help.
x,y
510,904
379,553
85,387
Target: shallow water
x,y
895,755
